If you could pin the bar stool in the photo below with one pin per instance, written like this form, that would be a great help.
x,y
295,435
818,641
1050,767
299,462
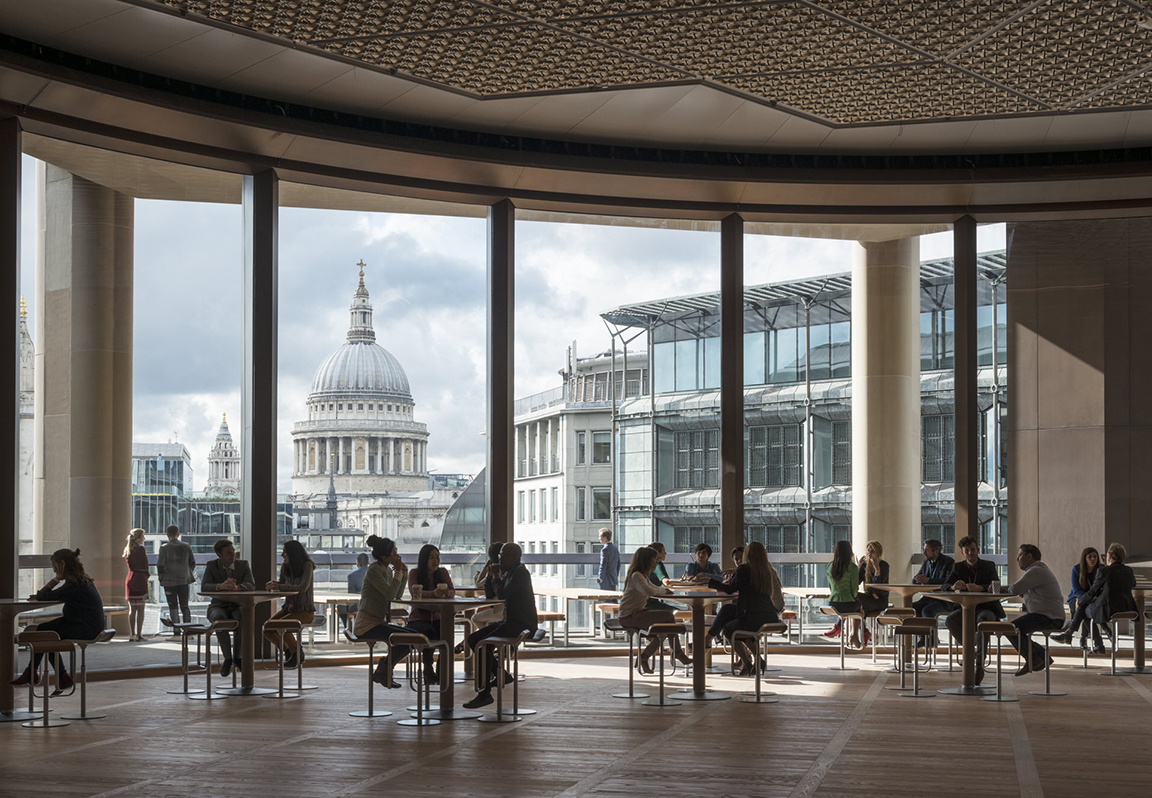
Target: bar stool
x,y
414,666
177,626
1047,666
787,616
912,627
614,625
663,633
186,630
843,616
1114,625
49,644
211,628
103,637
732,653
371,712
759,640
282,627
999,630
1084,650
505,648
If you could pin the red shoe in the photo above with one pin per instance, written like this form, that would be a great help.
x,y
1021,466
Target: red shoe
x,y
867,638
24,678
833,633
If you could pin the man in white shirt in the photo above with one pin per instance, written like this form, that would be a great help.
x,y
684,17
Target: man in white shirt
x,y
1043,604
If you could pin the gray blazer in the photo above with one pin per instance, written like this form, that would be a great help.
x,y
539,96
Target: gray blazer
x,y
215,573
176,564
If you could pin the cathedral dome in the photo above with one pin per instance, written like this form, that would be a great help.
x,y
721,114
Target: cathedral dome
x,y
364,368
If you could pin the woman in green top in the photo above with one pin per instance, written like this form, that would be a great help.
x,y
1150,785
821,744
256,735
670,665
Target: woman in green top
x,y
843,578
659,576
384,582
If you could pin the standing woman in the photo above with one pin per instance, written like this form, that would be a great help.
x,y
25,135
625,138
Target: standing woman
x,y
427,576
383,583
873,569
136,583
295,575
843,579
1083,575
638,590
753,582
82,617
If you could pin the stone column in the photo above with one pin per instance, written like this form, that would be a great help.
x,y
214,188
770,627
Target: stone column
x,y
83,426
11,495
340,456
886,400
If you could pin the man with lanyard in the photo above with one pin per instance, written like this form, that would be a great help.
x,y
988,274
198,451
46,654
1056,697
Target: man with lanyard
x,y
933,571
973,575
224,574
1043,604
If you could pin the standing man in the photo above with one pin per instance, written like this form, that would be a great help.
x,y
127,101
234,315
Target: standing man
x,y
973,575
176,567
511,582
609,575
933,571
225,574
1043,604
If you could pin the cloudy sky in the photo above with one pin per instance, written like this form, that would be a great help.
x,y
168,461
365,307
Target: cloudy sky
x,y
426,280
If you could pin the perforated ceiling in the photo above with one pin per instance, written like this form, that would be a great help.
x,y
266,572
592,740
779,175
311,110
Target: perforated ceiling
x,y
847,62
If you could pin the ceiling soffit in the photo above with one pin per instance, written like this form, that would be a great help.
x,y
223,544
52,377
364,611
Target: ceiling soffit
x,y
842,62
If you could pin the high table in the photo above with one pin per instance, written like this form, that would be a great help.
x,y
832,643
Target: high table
x,y
332,602
9,609
803,594
968,603
447,609
247,599
905,592
578,594
1138,665
698,600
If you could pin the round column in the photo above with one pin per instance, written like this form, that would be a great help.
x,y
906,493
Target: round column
x,y
886,401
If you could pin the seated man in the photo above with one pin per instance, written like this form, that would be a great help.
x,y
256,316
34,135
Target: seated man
x,y
355,585
511,582
973,575
223,574
1043,604
933,571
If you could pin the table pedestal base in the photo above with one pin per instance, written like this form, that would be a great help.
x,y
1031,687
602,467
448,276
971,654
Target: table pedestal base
x,y
453,714
364,713
16,716
246,691
967,691
692,695
1144,670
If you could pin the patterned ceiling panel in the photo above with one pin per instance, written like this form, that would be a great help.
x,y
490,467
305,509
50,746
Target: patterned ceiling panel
x,y
928,91
1064,50
507,61
768,38
844,61
938,27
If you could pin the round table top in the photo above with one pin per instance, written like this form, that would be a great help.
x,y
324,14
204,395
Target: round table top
x,y
20,605
902,588
698,595
458,601
252,594
964,597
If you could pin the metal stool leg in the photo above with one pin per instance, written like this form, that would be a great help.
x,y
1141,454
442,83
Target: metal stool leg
x,y
843,646
208,694
900,643
999,697
503,660
916,692
280,672
1047,667
46,722
632,634
83,676
661,702
757,697
371,712
184,667
414,667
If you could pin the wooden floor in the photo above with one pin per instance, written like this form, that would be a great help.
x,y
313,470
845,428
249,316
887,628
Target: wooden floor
x,y
831,734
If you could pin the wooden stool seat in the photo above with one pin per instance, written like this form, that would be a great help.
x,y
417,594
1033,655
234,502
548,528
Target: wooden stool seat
x,y
44,642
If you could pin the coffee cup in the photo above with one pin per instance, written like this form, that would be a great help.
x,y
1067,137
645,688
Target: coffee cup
x,y
416,591
442,586
995,588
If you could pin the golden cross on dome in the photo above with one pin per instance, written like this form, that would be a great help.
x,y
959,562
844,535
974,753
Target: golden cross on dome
x,y
361,264
23,308
225,418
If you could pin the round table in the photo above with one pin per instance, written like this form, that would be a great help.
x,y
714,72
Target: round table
x,y
968,603
698,600
247,599
9,609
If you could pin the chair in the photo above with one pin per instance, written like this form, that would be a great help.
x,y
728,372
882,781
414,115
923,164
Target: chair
x,y
103,637
49,644
211,629
663,633
911,627
843,616
414,665
1047,667
759,640
186,630
371,712
999,630
1114,625
614,625
507,654
283,627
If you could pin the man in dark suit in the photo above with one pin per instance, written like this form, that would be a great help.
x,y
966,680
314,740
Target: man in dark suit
x,y
933,571
511,582
1112,591
224,574
972,574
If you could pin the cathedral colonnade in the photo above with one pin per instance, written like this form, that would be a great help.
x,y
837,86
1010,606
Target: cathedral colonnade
x,y
359,455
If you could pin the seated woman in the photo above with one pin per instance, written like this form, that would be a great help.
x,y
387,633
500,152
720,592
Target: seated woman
x,y
843,579
659,577
81,618
384,582
726,612
1083,575
296,576
703,569
1112,591
755,583
874,570
427,576
638,590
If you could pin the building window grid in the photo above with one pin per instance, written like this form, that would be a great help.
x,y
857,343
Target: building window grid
x,y
601,448
945,533
686,538
842,453
581,448
938,448
777,539
581,504
698,459
775,456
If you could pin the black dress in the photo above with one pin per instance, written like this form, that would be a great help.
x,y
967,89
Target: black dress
x,y
754,608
